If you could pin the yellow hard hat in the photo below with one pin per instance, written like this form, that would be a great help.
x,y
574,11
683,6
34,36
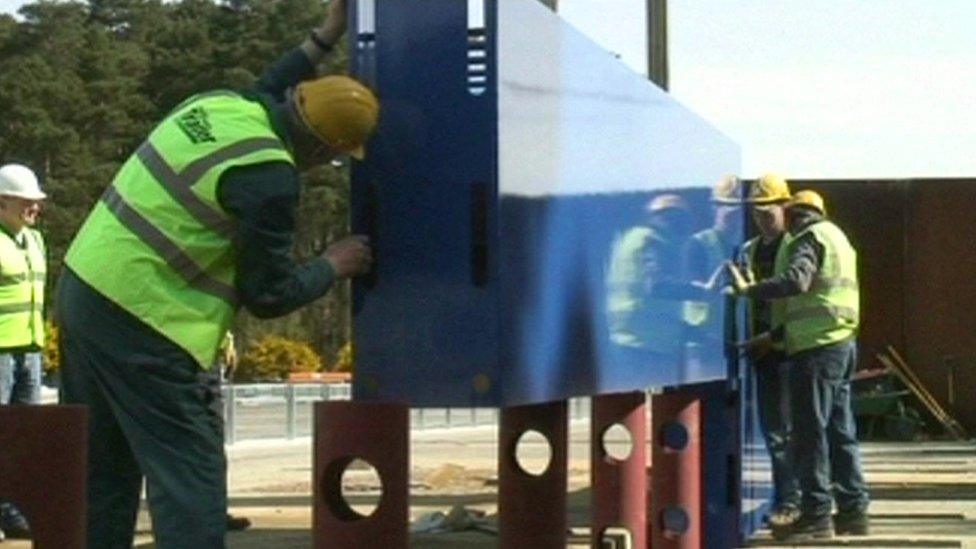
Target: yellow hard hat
x,y
727,190
340,111
810,199
668,201
769,189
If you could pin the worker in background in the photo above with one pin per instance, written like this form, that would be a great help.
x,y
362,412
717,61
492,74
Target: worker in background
x,y
817,279
23,270
707,252
200,220
227,357
226,365
767,198
647,326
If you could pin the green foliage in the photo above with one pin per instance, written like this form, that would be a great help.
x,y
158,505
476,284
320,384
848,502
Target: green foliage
x,y
52,354
82,84
345,360
272,358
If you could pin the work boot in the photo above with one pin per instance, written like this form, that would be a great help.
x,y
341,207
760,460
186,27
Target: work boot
x,y
810,527
852,523
236,524
781,520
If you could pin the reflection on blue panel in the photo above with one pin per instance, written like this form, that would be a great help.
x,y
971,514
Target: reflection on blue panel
x,y
602,294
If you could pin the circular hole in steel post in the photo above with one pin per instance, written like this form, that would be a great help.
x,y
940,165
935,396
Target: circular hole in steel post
x,y
350,477
617,442
675,521
533,453
674,436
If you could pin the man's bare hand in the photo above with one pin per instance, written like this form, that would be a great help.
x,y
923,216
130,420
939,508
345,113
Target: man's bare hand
x,y
757,347
350,256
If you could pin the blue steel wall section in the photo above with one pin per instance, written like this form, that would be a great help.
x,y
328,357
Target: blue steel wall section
x,y
425,323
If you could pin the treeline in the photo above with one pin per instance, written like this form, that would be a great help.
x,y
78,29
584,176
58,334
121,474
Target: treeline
x,y
82,83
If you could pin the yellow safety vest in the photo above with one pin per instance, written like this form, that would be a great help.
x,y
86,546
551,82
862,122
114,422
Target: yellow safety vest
x,y
158,243
829,312
23,271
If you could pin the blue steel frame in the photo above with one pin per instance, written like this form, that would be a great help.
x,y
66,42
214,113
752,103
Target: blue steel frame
x,y
513,161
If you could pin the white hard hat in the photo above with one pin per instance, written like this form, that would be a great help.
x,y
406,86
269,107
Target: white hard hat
x,y
20,181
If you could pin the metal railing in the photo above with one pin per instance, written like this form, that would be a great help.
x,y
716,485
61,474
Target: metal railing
x,y
284,410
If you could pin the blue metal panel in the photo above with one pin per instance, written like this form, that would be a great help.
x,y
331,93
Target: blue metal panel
x,y
426,321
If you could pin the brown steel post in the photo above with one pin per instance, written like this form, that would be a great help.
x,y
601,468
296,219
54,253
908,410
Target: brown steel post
x,y
532,508
379,434
44,471
676,518
657,43
619,487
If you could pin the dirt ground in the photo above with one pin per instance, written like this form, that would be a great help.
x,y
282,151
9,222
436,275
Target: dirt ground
x,y
924,494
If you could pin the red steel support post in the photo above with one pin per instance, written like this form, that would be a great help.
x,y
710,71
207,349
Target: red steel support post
x,y
532,508
676,518
44,471
619,486
378,433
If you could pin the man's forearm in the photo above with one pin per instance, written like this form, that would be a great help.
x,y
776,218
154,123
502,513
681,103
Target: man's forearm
x,y
299,63
804,264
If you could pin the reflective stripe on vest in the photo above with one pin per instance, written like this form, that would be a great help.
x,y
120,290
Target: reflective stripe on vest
x,y
777,307
158,243
23,272
829,311
176,258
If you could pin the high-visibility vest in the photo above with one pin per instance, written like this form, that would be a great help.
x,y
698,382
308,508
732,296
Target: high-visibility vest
x,y
829,312
777,306
22,274
638,320
158,243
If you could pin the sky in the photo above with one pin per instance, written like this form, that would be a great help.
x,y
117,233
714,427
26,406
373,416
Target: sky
x,y
822,88
814,88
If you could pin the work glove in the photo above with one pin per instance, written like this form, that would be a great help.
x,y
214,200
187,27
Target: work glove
x,y
740,282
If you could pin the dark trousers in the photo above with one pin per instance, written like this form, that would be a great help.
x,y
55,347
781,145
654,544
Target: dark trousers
x,y
775,421
154,414
825,447
20,383
20,378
